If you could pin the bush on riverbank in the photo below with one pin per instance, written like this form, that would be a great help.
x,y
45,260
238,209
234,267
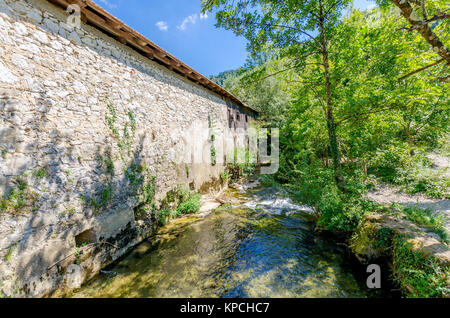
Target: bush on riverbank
x,y
191,205
411,173
422,179
345,214
342,216
178,202
418,275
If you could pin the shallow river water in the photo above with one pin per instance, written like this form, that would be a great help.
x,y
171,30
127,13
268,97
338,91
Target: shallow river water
x,y
264,246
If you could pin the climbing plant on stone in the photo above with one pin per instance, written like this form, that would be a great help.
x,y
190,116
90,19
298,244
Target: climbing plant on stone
x,y
125,140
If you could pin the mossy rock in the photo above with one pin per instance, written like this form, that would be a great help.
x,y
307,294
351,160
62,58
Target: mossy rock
x,y
419,262
370,240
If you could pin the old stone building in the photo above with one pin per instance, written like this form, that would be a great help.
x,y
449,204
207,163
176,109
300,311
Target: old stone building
x,y
88,116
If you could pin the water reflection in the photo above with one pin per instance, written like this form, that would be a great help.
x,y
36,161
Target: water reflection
x,y
265,247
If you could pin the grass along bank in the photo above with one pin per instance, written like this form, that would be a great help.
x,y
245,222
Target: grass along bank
x,y
412,240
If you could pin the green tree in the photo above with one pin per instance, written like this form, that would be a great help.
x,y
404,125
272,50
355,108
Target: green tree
x,y
430,19
366,77
265,92
292,27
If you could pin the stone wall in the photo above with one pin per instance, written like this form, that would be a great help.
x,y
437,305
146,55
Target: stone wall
x,y
85,123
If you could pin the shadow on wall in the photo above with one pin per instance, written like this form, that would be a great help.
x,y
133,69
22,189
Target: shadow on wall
x,y
44,232
68,193
44,101
48,236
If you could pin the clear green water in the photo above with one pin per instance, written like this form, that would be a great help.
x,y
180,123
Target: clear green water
x,y
265,247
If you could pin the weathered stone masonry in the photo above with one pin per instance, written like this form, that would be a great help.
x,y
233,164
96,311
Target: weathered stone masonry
x,y
59,90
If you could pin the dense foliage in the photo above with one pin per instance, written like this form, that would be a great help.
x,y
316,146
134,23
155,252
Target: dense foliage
x,y
384,126
360,99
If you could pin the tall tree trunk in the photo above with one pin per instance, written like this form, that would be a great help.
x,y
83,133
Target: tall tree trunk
x,y
408,134
331,125
364,163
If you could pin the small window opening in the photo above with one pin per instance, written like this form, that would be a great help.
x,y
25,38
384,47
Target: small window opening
x,y
85,238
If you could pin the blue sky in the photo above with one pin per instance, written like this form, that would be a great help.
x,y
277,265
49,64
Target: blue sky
x,y
178,27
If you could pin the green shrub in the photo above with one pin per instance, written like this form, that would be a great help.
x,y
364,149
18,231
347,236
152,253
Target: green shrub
x,y
389,162
422,179
182,193
40,173
225,176
163,215
412,173
340,219
311,184
248,167
425,218
178,202
418,275
20,199
9,256
268,180
384,238
444,145
341,213
192,205
356,184
175,197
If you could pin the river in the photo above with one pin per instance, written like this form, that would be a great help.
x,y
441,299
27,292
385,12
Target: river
x,y
264,246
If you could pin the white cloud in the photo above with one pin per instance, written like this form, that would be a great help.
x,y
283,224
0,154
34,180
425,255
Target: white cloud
x,y
162,25
203,16
190,19
371,6
108,4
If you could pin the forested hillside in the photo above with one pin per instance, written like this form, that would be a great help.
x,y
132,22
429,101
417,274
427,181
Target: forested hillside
x,y
221,77
361,99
